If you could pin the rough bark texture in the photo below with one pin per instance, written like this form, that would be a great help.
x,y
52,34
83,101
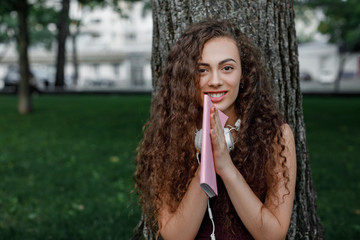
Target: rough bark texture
x,y
63,28
25,105
271,25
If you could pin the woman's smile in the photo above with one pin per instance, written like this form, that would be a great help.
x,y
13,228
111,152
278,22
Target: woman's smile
x,y
216,97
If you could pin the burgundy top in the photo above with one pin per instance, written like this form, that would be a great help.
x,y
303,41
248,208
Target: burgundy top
x,y
239,230
206,229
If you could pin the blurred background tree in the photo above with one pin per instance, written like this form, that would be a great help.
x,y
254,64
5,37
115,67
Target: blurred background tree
x,y
63,31
24,23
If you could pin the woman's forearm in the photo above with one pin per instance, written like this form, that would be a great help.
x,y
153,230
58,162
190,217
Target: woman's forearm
x,y
257,218
185,222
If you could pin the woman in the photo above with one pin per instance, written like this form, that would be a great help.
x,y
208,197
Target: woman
x,y
256,180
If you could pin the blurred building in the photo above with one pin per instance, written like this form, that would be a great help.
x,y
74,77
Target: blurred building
x,y
114,48
319,62
113,51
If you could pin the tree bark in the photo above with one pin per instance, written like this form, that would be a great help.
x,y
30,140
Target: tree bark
x,y
25,105
63,28
271,25
74,35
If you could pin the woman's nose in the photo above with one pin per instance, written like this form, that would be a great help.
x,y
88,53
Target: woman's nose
x,y
215,80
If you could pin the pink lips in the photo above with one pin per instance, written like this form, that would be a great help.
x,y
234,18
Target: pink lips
x,y
216,99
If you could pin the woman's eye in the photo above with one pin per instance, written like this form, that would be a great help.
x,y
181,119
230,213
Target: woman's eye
x,y
202,70
228,68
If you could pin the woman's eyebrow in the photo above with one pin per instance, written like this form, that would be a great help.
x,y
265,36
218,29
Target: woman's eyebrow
x,y
220,63
226,60
204,64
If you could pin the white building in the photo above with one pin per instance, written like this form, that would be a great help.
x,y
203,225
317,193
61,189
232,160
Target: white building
x,y
318,59
115,52
111,50
321,62
115,48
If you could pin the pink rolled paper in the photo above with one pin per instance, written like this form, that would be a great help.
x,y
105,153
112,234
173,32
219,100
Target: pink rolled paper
x,y
207,167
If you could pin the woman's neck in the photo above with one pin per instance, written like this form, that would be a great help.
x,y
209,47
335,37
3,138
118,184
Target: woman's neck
x,y
232,117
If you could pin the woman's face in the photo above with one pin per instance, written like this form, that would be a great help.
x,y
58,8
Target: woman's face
x,y
220,73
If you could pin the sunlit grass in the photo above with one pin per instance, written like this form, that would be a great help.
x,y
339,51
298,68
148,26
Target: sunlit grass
x,y
66,170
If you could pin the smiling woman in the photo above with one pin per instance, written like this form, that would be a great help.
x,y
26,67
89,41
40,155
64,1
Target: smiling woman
x,y
256,179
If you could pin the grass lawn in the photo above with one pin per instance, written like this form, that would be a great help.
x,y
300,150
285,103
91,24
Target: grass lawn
x,y
333,137
66,170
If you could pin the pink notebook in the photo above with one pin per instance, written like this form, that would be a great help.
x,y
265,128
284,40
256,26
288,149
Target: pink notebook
x,y
207,168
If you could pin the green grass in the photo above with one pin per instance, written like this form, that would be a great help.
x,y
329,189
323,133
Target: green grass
x,y
333,137
66,170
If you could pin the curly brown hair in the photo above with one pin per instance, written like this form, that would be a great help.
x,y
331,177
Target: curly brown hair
x,y
166,160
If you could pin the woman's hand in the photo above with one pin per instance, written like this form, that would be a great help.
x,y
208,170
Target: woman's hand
x,y
220,152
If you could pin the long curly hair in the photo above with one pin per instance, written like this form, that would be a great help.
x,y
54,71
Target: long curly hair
x,y
166,160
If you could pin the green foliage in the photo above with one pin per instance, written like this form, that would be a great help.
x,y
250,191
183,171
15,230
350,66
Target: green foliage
x,y
93,3
66,170
304,14
8,21
115,4
8,26
341,22
43,19
40,17
147,6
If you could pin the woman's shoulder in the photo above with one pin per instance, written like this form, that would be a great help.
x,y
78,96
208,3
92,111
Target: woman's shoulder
x,y
286,132
289,143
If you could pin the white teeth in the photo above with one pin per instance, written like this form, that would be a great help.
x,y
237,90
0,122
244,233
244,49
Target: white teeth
x,y
216,95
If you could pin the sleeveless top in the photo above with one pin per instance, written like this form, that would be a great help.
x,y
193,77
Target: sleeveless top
x,y
206,228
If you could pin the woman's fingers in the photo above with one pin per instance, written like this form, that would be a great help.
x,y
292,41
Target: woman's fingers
x,y
219,147
217,132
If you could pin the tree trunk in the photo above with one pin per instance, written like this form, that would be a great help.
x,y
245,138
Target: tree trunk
x,y
63,28
342,62
271,25
74,53
25,105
